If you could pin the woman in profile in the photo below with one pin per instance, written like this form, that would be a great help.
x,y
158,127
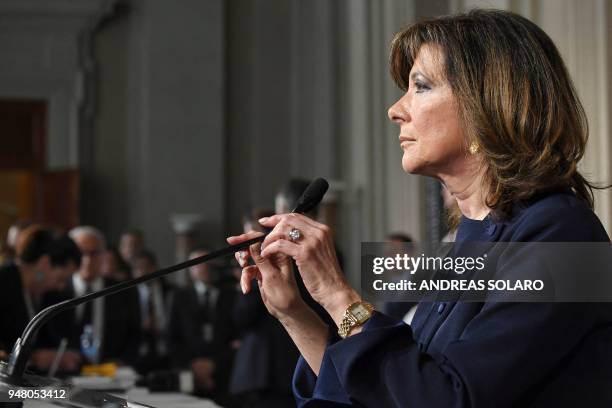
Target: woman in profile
x,y
490,110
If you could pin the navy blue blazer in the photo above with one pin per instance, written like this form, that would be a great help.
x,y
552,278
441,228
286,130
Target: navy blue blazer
x,y
461,354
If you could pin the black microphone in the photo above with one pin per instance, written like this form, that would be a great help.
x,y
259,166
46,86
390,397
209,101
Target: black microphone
x,y
20,354
312,196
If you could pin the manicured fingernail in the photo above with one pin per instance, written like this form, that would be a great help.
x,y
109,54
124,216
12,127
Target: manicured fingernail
x,y
263,219
243,288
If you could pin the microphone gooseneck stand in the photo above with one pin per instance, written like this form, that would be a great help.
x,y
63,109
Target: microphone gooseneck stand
x,y
20,354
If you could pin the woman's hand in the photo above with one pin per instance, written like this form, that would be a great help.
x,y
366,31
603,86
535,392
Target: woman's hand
x,y
315,256
274,274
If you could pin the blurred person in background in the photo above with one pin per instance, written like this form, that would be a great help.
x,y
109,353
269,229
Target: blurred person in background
x,y
288,195
399,238
65,260
114,266
131,242
8,252
398,309
42,263
249,220
153,300
201,331
110,324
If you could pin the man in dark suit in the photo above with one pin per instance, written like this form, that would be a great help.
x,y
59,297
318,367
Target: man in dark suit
x,y
153,301
42,263
111,323
201,331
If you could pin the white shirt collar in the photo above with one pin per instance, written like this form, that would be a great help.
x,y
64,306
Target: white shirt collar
x,y
80,285
200,287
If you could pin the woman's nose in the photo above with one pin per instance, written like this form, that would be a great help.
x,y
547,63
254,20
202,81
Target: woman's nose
x,y
398,112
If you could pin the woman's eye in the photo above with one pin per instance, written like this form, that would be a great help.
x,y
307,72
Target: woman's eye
x,y
420,87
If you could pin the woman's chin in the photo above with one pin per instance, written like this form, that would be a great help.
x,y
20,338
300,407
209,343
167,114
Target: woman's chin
x,y
410,166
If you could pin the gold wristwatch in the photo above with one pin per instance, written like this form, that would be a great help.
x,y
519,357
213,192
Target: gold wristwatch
x,y
355,315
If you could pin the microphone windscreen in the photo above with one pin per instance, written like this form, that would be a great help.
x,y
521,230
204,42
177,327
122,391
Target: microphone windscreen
x,y
312,196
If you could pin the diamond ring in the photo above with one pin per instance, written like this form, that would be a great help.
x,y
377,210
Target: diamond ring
x,y
295,234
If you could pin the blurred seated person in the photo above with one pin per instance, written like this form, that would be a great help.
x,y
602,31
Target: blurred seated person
x,y
249,220
201,330
131,242
8,252
114,266
153,300
65,260
111,323
398,309
41,264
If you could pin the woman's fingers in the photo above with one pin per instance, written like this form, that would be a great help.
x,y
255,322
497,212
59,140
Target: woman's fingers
x,y
255,252
275,235
286,222
273,220
281,246
274,274
248,274
237,239
242,258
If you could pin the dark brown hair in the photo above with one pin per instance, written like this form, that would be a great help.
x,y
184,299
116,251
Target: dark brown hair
x,y
515,99
33,243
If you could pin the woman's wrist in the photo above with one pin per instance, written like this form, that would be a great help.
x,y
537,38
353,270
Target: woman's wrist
x,y
296,312
338,301
309,333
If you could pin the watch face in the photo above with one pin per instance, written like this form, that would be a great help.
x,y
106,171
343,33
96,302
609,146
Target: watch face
x,y
360,312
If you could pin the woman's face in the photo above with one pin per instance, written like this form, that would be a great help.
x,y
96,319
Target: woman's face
x,y
431,134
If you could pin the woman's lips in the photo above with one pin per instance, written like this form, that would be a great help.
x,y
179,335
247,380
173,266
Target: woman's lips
x,y
406,140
